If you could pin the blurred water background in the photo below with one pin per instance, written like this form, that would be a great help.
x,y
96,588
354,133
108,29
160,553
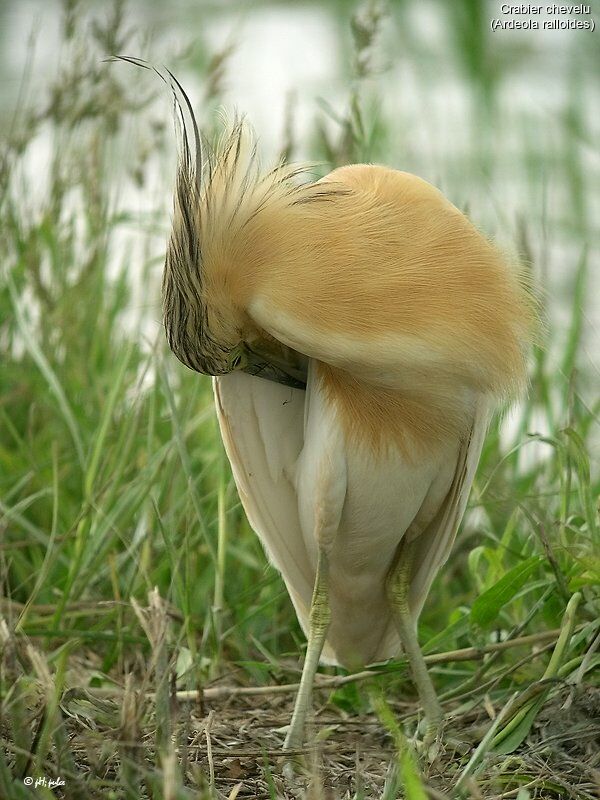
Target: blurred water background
x,y
507,123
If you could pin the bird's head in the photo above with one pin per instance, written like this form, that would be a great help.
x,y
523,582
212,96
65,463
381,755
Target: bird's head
x,y
205,289
230,218
203,336
220,198
202,325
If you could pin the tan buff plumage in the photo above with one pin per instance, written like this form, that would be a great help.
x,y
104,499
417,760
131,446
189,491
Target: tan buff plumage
x,y
390,328
383,280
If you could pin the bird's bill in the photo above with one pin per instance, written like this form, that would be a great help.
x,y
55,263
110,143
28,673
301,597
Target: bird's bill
x,y
268,366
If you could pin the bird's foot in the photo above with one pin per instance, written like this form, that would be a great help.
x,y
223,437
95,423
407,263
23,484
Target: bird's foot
x,y
428,747
295,763
294,766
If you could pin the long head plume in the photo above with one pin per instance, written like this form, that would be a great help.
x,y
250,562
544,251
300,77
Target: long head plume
x,y
221,199
219,239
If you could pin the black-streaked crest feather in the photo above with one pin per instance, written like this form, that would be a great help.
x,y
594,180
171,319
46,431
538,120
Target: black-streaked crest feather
x,y
184,116
179,93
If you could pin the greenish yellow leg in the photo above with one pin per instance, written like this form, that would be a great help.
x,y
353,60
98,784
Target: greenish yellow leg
x,y
398,586
320,616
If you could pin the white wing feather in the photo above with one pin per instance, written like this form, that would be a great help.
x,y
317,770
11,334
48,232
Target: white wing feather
x,y
262,426
275,438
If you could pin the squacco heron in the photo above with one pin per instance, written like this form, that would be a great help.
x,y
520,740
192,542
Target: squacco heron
x,y
361,332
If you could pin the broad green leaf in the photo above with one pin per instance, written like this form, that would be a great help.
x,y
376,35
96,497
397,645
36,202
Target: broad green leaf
x,y
487,606
451,632
520,732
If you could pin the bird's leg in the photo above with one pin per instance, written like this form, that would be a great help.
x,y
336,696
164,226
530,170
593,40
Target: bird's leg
x,y
397,587
320,615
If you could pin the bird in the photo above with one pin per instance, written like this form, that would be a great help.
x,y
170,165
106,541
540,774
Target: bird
x,y
361,332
